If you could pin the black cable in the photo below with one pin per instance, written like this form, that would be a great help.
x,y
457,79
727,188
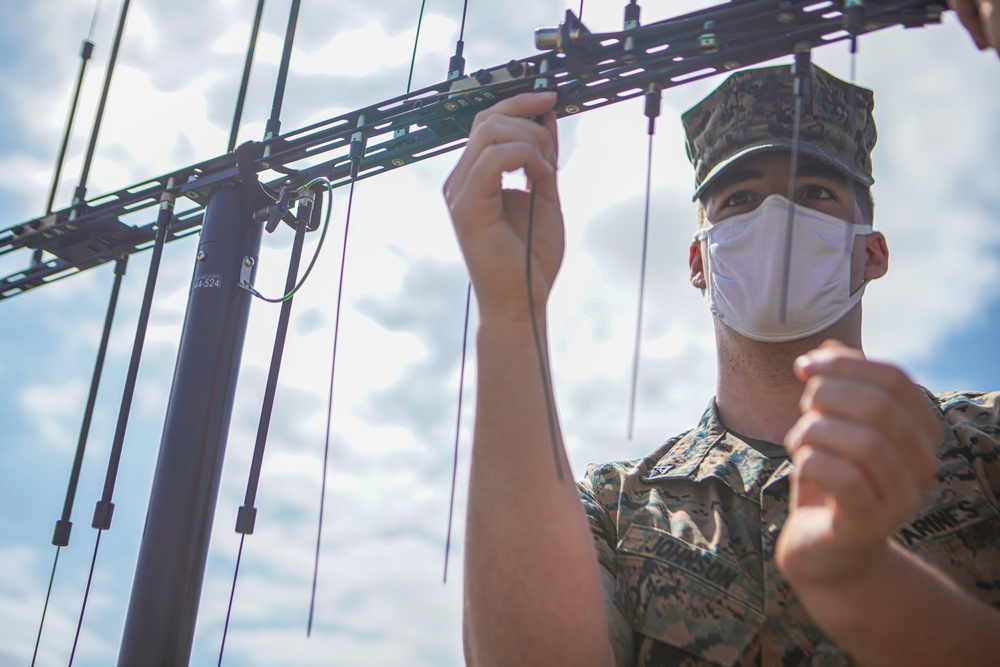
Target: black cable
x,y
245,82
273,127
312,262
81,190
458,429
539,348
329,409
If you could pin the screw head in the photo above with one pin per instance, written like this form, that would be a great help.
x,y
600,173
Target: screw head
x,y
732,64
396,162
450,106
572,108
248,261
202,256
193,195
784,17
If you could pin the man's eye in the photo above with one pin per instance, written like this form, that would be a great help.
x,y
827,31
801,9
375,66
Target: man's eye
x,y
737,199
815,192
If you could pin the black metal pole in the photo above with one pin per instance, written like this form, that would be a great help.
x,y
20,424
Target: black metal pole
x,y
159,627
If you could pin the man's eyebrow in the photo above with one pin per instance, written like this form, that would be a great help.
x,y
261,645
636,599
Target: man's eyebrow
x,y
733,176
821,170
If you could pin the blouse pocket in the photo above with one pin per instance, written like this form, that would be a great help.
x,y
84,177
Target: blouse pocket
x,y
687,597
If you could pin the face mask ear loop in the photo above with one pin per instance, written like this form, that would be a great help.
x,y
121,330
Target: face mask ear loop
x,y
800,71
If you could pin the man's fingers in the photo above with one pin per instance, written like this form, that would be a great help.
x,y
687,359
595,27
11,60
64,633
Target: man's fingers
x,y
481,178
838,477
499,130
877,413
883,467
525,105
833,361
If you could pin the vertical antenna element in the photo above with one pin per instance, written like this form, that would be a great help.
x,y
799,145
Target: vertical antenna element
x,y
801,71
273,127
60,537
86,51
329,406
416,40
105,508
244,83
80,194
651,110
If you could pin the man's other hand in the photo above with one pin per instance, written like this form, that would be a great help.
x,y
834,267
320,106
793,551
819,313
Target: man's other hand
x,y
863,453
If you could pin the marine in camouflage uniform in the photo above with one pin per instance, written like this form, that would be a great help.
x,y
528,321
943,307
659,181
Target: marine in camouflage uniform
x,y
688,532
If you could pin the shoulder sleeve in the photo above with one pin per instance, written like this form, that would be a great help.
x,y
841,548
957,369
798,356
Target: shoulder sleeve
x,y
599,493
975,419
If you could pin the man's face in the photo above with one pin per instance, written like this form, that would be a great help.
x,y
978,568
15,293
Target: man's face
x,y
745,185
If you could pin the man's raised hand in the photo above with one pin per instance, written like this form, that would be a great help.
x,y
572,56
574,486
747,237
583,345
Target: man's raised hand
x,y
492,223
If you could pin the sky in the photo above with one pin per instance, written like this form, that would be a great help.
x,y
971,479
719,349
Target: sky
x,y
381,599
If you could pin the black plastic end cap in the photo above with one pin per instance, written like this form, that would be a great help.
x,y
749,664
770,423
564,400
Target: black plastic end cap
x,y
60,537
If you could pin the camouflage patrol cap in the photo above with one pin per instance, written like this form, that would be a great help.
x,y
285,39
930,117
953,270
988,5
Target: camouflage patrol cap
x,y
753,110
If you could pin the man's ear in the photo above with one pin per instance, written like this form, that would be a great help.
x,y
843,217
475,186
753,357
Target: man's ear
x,y
697,265
876,256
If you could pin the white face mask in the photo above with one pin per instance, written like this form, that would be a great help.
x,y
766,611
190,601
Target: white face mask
x,y
745,262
